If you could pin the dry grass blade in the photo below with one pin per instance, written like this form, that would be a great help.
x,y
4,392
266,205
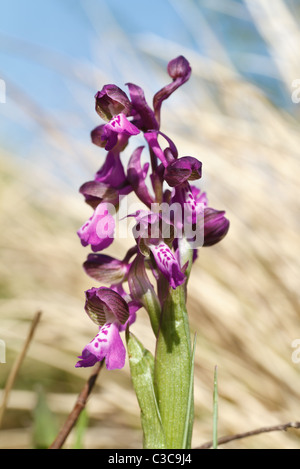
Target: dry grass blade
x,y
17,365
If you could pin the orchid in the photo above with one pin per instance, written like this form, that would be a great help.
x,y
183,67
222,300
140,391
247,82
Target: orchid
x,y
176,220
109,311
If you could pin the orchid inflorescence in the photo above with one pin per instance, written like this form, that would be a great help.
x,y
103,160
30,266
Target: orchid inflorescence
x,y
175,221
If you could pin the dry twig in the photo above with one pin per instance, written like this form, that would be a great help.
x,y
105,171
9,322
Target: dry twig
x,y
77,409
17,365
259,431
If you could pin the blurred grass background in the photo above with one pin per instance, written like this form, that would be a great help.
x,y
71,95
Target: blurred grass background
x,y
237,116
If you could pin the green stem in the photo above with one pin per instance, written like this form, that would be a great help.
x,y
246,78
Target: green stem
x,y
141,367
173,367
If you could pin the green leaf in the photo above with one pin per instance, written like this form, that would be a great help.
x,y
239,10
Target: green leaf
x,y
172,372
141,364
190,409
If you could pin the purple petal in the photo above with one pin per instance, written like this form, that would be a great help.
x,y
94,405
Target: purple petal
x,y
152,139
168,264
138,281
183,169
98,231
107,344
118,126
200,197
144,117
216,226
104,304
96,192
110,101
122,125
98,137
136,176
112,172
104,268
192,208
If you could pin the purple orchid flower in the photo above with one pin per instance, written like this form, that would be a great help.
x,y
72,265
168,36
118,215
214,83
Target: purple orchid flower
x,y
150,239
111,313
118,125
98,231
157,233
113,105
107,344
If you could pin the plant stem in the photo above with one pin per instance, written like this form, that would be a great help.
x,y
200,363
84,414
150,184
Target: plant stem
x,y
172,370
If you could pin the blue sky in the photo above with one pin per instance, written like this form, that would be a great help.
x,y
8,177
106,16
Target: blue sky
x,y
35,33
51,51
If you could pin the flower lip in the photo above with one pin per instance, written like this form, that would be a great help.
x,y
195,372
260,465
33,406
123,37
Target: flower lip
x,y
107,344
168,264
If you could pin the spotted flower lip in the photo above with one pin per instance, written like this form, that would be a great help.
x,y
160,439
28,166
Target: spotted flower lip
x,y
98,231
118,125
168,264
107,344
148,234
109,310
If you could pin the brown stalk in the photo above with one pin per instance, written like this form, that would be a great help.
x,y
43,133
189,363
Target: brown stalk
x,y
17,365
77,409
259,431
